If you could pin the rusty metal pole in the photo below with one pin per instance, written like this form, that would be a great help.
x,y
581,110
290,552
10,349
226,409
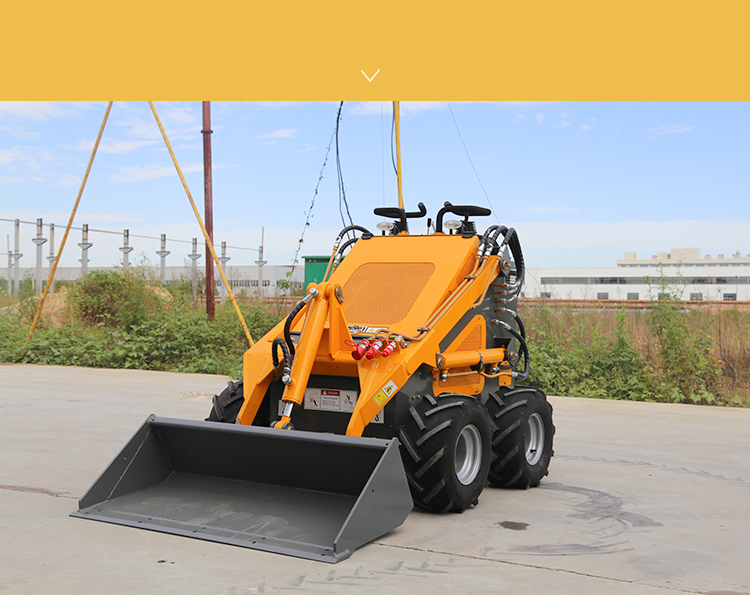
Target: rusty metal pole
x,y
209,220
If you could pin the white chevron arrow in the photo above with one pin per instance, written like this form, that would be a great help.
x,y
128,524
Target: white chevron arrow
x,y
369,78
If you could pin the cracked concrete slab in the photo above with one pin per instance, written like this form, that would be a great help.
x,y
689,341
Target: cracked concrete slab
x,y
641,498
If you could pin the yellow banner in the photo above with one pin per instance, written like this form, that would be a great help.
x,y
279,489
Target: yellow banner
x,y
544,50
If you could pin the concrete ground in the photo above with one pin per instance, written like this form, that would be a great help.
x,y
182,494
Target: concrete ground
x,y
641,498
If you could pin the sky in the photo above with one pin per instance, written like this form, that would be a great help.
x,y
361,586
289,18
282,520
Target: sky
x,y
582,182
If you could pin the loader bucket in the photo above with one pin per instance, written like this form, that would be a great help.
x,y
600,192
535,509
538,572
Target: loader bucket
x,y
304,494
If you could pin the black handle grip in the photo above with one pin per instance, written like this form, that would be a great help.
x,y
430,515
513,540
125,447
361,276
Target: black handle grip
x,y
460,210
390,212
421,213
401,214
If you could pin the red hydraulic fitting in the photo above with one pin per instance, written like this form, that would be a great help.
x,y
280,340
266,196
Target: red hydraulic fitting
x,y
360,348
389,349
375,348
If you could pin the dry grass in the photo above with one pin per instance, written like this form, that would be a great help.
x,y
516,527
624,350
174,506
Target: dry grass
x,y
726,333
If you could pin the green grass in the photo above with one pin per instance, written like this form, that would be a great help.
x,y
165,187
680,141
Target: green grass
x,y
116,319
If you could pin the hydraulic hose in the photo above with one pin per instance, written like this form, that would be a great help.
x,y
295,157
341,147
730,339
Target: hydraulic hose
x,y
336,243
511,240
518,320
278,342
346,244
349,228
340,254
290,319
485,245
521,341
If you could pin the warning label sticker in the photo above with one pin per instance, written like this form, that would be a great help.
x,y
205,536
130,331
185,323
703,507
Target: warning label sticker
x,y
385,393
330,399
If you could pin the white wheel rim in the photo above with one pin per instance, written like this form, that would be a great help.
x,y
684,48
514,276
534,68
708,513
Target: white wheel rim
x,y
468,454
534,439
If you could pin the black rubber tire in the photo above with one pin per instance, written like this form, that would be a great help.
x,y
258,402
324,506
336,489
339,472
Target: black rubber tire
x,y
511,411
226,405
428,449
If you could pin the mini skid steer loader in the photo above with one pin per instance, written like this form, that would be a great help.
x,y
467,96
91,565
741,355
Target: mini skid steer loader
x,y
393,381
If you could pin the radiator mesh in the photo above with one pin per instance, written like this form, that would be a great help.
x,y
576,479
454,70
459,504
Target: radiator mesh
x,y
383,293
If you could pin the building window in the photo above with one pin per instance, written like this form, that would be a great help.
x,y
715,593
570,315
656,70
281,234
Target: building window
x,y
730,297
632,296
696,297
253,283
266,283
602,296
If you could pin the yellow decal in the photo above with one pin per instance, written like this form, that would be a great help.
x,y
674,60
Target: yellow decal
x,y
385,393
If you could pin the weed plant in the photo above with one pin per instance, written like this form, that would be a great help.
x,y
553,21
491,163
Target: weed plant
x,y
118,319
663,353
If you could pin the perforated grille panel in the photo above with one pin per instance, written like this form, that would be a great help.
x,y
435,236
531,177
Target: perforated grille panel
x,y
473,341
383,293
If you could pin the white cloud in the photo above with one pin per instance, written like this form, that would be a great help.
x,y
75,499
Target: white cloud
x,y
278,104
673,129
543,210
41,110
65,180
138,173
629,236
540,118
113,146
585,127
21,180
27,156
60,218
180,122
375,108
276,134
562,125
306,148
20,132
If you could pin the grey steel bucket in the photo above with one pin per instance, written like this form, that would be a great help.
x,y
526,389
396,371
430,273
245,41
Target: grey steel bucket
x,y
305,494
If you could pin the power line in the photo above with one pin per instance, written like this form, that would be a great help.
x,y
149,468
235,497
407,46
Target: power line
x,y
118,233
471,162
342,190
308,214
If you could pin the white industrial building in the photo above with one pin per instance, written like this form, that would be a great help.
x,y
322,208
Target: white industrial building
x,y
683,270
247,280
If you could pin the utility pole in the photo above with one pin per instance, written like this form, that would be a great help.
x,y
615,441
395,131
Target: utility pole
x,y
39,240
126,249
85,245
10,268
208,195
194,256
224,259
260,262
16,256
51,257
163,253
